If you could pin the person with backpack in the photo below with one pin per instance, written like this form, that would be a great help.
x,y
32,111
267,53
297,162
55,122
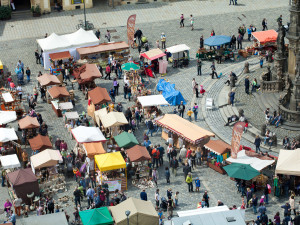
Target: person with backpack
x,y
150,127
50,206
174,165
155,156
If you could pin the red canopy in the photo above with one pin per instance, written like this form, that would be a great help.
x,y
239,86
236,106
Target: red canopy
x,y
265,36
153,54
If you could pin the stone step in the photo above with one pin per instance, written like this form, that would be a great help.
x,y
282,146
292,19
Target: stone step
x,y
288,127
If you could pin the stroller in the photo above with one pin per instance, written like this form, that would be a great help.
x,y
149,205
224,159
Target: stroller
x,y
144,40
164,204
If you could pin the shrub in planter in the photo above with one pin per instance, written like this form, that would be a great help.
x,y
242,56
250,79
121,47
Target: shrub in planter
x,y
5,12
36,11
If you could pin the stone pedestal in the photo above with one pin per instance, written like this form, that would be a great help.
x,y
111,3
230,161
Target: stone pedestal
x,y
4,2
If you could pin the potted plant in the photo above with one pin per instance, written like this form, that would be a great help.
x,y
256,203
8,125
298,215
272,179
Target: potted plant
x,y
36,11
5,12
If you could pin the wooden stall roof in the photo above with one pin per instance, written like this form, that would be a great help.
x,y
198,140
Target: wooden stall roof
x,y
105,47
60,56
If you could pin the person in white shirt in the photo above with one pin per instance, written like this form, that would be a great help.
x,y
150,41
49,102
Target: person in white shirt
x,y
157,198
20,93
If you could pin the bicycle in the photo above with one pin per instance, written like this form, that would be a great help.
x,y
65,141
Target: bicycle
x,y
89,26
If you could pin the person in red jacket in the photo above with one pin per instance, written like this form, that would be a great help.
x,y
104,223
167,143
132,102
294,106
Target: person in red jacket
x,y
155,156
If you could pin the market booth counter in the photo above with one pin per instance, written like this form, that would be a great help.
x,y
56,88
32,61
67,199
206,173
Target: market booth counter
x,y
57,59
263,41
98,98
183,130
111,168
141,212
23,183
119,50
150,105
219,151
40,143
98,216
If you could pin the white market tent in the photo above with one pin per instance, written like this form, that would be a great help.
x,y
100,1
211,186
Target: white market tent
x,y
178,48
7,116
99,114
256,163
203,211
71,115
8,134
288,162
68,42
152,100
113,119
46,158
87,134
48,219
10,161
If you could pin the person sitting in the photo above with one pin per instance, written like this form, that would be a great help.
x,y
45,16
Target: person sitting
x,y
231,119
58,7
286,143
279,120
267,137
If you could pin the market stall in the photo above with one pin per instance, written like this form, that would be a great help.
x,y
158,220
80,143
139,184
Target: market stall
x,y
71,116
153,59
137,84
23,183
181,129
45,159
98,98
56,59
40,143
69,42
150,105
111,168
29,125
126,140
7,117
48,80
288,162
10,161
179,55
59,92
8,134
60,108
264,38
141,212
219,151
98,216
86,74
118,50
84,134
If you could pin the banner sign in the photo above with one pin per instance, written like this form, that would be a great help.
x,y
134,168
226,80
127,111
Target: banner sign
x,y
130,29
113,184
237,133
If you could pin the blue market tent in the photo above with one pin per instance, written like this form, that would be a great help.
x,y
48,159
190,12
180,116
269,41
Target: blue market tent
x,y
217,40
172,96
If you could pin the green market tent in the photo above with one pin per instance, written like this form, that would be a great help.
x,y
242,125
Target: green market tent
x,y
241,171
98,216
126,140
130,66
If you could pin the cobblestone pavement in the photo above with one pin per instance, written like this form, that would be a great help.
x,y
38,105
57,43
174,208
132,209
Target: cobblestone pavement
x,y
219,186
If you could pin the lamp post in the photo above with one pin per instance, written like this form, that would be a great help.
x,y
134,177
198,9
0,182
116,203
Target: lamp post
x,y
84,15
127,213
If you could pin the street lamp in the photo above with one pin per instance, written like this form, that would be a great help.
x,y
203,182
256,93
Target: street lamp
x,y
127,213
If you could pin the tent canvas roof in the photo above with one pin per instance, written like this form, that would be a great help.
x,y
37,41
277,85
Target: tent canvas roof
x,y
47,219
99,114
105,47
58,92
153,54
29,122
87,134
21,176
265,36
93,148
40,142
288,162
60,55
217,146
183,128
86,73
178,48
71,115
141,212
152,100
99,96
256,163
46,158
8,134
138,153
110,161
98,216
10,161
7,116
126,140
113,119
47,80
62,42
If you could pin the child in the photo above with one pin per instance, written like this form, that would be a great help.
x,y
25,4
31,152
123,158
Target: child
x,y
176,198
202,91
175,111
167,173
160,214
261,62
76,215
246,126
189,113
157,44
197,183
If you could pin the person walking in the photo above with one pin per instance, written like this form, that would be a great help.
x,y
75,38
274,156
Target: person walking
x,y
174,165
170,207
199,66
213,70
155,176
107,35
107,71
157,198
247,85
189,181
138,35
201,42
206,199
155,156
90,196
116,86
264,24
254,204
249,31
28,73
181,20
167,174
233,42
112,94
261,61
181,109
239,41
192,20
143,195
37,57
189,113
292,204
195,111
231,97
163,40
